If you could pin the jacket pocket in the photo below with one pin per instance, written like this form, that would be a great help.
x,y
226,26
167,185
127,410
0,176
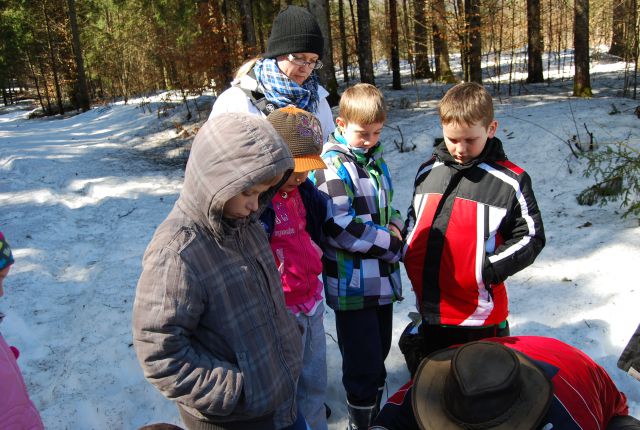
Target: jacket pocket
x,y
266,384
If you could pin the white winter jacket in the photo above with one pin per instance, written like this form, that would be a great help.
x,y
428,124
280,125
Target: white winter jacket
x,y
234,99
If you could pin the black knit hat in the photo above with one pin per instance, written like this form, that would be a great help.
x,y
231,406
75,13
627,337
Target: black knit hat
x,y
294,30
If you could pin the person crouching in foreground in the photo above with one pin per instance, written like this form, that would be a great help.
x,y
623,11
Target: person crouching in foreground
x,y
508,383
210,325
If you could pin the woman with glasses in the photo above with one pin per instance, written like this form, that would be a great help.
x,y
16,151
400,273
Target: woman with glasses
x,y
285,74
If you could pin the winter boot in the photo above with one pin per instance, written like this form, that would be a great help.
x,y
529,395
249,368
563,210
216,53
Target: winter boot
x,y
360,417
378,402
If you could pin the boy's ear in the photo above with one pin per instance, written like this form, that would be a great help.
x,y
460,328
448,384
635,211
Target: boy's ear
x,y
493,127
340,122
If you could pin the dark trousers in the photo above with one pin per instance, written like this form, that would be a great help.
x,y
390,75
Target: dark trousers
x,y
364,338
437,337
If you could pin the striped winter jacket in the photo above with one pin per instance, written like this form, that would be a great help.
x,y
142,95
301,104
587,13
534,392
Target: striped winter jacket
x,y
469,227
360,262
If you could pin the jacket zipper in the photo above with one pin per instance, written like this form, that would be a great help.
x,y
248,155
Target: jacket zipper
x,y
252,262
299,238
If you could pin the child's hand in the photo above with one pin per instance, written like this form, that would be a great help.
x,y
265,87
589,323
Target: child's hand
x,y
395,231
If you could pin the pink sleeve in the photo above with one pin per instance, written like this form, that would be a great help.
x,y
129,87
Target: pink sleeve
x,y
16,409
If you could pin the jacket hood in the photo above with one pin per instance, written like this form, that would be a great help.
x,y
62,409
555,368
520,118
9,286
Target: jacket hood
x,y
492,151
231,152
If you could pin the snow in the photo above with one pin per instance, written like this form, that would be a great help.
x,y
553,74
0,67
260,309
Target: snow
x,y
81,197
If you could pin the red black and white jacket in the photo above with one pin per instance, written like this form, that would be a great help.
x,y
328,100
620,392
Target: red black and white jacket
x,y
469,227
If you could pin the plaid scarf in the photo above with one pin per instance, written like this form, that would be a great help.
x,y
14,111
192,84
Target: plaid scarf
x,y
282,91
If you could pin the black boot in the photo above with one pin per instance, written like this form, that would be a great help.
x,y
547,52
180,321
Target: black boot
x,y
360,417
378,402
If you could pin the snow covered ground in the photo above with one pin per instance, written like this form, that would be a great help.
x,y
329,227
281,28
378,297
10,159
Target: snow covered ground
x,y
81,196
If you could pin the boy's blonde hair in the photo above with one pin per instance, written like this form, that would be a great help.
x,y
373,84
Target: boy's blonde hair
x,y
467,103
362,104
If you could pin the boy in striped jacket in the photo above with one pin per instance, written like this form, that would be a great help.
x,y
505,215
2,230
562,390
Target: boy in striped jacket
x,y
473,221
362,248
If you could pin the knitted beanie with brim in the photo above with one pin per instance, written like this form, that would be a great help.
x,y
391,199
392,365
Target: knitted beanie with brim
x,y
302,133
294,30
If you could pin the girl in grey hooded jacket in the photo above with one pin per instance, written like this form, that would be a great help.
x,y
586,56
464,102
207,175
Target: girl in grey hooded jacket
x,y
210,325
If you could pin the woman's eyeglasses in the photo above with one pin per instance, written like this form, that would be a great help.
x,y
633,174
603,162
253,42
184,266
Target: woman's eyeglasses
x,y
315,65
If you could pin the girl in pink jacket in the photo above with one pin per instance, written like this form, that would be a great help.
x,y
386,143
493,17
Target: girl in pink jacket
x,y
17,411
294,222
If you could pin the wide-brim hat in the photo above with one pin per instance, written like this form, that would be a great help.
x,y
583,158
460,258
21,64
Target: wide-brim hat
x,y
480,385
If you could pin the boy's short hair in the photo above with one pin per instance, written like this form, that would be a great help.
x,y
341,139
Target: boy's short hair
x,y
467,103
362,104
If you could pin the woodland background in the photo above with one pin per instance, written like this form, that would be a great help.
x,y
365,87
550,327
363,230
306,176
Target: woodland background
x,y
82,193
71,54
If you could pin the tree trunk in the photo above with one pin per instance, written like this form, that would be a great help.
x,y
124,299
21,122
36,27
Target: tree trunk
x,y
353,23
474,24
618,47
581,80
386,39
463,37
45,85
535,43
82,95
54,69
320,9
343,43
423,70
34,76
365,61
631,31
259,16
405,35
222,70
440,44
248,30
395,51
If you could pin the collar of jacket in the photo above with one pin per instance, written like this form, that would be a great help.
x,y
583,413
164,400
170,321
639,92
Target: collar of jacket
x,y
492,151
337,143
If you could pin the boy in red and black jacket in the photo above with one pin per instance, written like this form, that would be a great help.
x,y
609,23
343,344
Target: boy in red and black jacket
x,y
473,221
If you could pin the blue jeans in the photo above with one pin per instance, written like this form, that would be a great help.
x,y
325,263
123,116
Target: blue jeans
x,y
312,384
300,424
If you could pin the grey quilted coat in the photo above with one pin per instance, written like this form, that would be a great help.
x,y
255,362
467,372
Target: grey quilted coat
x,y
210,326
